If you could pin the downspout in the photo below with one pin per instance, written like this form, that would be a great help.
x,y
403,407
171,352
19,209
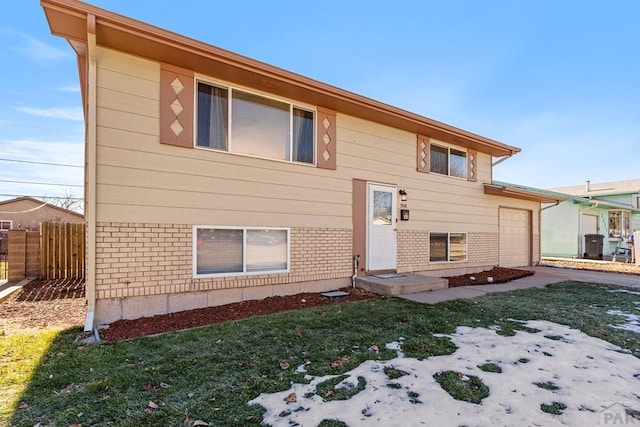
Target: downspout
x,y
502,159
90,174
550,206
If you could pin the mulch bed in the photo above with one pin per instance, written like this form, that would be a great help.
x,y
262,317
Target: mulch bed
x,y
126,329
498,275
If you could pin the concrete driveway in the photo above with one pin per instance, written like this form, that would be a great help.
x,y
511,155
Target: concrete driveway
x,y
543,276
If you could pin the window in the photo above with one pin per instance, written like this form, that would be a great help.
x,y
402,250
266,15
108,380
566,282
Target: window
x,y
447,247
448,161
234,251
240,122
619,224
5,224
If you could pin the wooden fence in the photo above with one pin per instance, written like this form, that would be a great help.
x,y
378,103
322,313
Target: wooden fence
x,y
62,249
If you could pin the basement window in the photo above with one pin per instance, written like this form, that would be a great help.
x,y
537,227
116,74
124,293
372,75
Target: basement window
x,y
228,251
447,247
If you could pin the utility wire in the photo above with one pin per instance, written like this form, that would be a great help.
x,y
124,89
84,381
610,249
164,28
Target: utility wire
x,y
40,163
42,197
40,183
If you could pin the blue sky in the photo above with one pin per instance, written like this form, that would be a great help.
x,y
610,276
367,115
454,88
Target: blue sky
x,y
559,79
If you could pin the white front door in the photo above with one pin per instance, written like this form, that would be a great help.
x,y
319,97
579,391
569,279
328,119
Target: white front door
x,y
381,227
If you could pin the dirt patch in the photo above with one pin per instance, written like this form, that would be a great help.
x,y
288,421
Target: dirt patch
x,y
44,304
497,275
607,267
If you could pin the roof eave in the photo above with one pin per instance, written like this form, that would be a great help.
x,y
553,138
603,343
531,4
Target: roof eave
x,y
516,193
67,18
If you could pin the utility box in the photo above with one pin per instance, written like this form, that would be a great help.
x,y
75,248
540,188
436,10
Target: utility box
x,y
593,246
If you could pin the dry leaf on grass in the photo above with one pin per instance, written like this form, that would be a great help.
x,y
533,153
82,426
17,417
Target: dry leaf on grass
x,y
340,362
200,423
149,386
164,385
284,365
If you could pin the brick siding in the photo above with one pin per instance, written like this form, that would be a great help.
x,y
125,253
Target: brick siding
x,y
142,259
413,251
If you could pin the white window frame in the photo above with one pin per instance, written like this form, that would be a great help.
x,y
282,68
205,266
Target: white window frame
x,y
449,148
194,238
230,88
3,221
624,232
466,247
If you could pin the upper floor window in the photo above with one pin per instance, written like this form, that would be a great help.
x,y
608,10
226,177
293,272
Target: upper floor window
x,y
448,161
232,120
619,224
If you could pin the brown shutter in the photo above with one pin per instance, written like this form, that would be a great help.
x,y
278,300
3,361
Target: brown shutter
x,y
176,106
422,157
472,165
326,139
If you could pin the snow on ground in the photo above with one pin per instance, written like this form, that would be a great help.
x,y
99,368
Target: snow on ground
x,y
633,321
593,377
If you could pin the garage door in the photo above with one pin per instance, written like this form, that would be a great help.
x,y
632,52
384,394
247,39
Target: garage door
x,y
515,237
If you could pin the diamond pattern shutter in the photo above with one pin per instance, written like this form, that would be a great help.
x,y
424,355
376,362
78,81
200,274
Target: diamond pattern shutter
x,y
176,106
326,139
423,154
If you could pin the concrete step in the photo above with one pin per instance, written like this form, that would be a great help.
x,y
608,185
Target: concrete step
x,y
400,284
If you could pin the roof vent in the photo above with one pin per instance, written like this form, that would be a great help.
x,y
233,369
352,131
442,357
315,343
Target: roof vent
x,y
587,186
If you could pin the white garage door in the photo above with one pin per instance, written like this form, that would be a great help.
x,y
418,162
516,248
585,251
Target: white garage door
x,y
515,237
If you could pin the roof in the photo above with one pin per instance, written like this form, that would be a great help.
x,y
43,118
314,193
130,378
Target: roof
x,y
38,202
73,20
602,189
522,192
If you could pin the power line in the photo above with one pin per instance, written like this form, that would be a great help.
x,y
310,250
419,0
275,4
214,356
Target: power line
x,y
40,163
40,183
42,197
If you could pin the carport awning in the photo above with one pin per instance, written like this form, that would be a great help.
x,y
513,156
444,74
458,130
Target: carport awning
x,y
524,193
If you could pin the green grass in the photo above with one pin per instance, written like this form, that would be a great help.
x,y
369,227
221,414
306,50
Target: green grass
x,y
490,367
211,373
469,388
555,408
549,385
328,391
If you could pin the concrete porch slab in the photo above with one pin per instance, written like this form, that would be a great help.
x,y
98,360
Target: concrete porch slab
x,y
405,283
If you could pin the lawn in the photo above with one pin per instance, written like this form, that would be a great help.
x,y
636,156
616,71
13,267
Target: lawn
x,y
207,376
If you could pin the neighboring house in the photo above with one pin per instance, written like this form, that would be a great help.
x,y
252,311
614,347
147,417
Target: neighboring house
x,y
611,209
26,213
213,178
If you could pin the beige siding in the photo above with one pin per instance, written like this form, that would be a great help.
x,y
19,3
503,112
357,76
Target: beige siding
x,y
140,180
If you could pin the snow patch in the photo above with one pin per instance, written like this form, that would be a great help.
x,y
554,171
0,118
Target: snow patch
x,y
633,321
591,376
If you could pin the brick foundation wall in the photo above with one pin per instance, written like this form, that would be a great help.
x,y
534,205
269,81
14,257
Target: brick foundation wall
x,y
142,259
413,252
